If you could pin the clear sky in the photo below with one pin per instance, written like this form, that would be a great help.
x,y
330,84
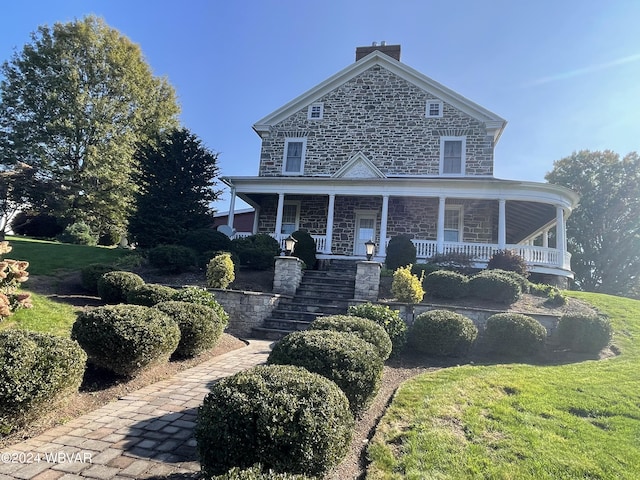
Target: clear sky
x,y
565,74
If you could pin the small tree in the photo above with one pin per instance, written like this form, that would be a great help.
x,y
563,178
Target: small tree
x,y
220,271
400,252
406,286
12,274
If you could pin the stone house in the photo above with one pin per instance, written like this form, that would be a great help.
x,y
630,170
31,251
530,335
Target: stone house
x,y
379,150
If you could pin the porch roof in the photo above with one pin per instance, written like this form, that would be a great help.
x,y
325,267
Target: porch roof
x,y
486,188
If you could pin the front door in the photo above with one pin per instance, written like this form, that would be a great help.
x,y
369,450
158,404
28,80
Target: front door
x,y
365,231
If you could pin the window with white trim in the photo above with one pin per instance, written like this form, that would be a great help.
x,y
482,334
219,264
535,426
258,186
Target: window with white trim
x,y
452,155
434,108
315,111
453,224
294,150
290,217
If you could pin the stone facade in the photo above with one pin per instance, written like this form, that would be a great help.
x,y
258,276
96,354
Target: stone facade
x,y
367,281
287,275
383,116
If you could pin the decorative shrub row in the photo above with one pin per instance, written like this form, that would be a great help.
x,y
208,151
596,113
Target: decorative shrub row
x,y
514,335
352,363
150,294
126,338
201,296
114,287
284,417
256,251
36,370
442,333
446,284
581,332
388,319
363,328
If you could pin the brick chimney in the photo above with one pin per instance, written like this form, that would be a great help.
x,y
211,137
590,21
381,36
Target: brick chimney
x,y
392,50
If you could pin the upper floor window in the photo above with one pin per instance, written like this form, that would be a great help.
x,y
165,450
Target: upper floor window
x,y
294,150
452,155
434,108
315,111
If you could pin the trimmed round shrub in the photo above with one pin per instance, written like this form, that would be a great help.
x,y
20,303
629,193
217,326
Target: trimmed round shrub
x,y
126,338
446,284
364,328
206,240
201,296
113,287
442,333
406,287
256,251
256,473
352,363
521,280
494,286
582,332
200,327
36,371
220,271
283,417
514,334
90,275
508,260
388,319
400,252
172,258
149,294
305,248
78,233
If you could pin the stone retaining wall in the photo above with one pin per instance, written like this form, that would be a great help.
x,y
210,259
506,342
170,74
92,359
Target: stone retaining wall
x,y
246,309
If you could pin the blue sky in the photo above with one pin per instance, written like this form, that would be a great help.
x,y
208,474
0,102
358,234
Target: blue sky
x,y
564,73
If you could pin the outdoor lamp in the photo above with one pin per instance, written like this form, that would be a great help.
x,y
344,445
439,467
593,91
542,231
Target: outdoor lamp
x,y
289,245
371,247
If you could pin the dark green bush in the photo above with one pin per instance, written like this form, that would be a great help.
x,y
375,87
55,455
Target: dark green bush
x,y
582,332
495,286
113,287
352,363
126,338
424,269
514,334
388,319
172,258
305,248
442,333
508,260
33,224
220,271
36,371
400,252
555,297
256,251
206,240
149,294
200,327
521,280
454,261
90,275
109,235
201,296
78,233
256,473
446,284
283,417
366,329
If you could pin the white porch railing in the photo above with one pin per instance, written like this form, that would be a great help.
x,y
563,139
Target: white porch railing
x,y
321,240
482,252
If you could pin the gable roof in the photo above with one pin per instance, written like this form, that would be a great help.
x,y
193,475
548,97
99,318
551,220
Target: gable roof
x,y
494,123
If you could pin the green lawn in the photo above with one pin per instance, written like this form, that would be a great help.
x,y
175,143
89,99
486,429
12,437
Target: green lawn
x,y
515,421
49,258
46,316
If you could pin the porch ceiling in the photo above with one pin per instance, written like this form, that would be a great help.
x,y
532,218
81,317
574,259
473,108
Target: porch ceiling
x,y
524,218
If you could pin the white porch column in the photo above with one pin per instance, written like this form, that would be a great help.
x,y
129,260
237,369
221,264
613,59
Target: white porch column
x,y
382,250
279,215
545,238
561,237
502,224
232,207
329,232
256,219
440,230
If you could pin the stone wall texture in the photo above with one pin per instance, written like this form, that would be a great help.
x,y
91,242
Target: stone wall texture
x,y
246,309
382,116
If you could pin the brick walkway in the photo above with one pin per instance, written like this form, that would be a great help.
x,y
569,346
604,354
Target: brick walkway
x,y
147,434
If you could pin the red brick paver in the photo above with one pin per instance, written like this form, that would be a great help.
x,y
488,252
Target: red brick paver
x,y
148,433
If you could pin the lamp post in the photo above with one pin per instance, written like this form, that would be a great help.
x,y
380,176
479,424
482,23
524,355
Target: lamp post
x,y
370,247
289,245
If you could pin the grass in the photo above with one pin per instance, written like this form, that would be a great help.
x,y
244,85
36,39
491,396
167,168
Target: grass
x,y
46,316
515,421
50,258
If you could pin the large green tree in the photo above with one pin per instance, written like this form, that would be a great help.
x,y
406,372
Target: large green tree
x,y
177,182
75,104
603,233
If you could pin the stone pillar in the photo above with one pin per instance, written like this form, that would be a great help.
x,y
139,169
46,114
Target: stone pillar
x,y
367,281
287,275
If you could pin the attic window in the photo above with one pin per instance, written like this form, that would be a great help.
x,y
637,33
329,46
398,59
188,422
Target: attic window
x,y
434,108
315,111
